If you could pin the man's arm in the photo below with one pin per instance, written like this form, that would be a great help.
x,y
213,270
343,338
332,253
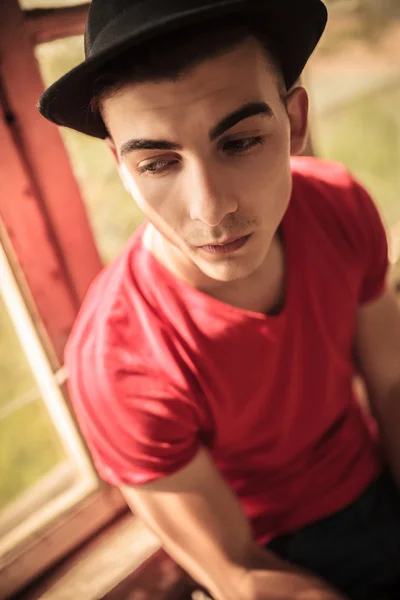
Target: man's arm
x,y
202,526
378,357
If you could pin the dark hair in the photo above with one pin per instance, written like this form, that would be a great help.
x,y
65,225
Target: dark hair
x,y
173,54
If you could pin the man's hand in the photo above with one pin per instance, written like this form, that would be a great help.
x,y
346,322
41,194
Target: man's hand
x,y
202,526
282,581
286,585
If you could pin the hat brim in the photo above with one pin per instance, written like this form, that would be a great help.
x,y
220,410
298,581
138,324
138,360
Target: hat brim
x,y
295,33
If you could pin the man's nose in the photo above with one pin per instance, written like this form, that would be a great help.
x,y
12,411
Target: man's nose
x,y
211,198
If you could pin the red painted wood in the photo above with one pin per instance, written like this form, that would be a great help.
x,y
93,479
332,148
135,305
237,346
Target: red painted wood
x,y
43,152
34,246
51,24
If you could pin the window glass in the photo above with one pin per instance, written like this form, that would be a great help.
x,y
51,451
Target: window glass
x,y
354,81
113,214
43,466
29,447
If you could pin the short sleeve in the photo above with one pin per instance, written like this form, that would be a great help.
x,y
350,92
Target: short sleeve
x,y
373,247
137,427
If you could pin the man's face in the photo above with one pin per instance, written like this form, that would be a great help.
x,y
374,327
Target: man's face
x,y
206,157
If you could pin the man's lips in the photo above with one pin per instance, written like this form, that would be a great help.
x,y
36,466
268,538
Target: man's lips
x,y
224,241
226,246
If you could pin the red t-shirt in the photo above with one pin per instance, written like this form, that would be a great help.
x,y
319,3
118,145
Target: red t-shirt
x,y
158,368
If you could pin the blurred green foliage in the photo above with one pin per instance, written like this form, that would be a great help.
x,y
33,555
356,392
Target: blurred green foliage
x,y
16,378
29,449
365,136
29,446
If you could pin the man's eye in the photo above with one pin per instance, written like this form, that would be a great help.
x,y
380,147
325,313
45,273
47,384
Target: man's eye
x,y
156,167
242,146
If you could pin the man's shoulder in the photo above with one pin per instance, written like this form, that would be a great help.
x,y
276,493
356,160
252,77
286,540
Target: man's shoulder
x,y
341,221
107,316
330,196
324,178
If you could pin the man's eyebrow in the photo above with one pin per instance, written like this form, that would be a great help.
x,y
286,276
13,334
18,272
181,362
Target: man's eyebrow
x,y
244,112
142,144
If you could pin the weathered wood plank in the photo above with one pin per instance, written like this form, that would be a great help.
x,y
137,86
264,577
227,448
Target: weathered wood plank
x,y
50,24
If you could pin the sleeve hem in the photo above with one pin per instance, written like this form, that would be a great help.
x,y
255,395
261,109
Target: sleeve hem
x,y
142,477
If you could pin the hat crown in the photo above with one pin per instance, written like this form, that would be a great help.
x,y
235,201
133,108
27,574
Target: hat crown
x,y
102,12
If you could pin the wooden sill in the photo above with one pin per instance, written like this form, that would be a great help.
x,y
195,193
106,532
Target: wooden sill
x,y
125,559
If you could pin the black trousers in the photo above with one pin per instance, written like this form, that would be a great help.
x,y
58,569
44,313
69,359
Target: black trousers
x,y
357,549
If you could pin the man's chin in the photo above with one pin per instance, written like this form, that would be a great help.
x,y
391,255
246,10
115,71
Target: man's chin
x,y
227,271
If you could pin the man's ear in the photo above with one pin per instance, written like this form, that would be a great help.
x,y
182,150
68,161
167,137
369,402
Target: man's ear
x,y
121,171
297,108
111,145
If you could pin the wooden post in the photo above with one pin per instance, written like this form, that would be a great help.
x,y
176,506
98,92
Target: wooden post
x,y
51,24
40,203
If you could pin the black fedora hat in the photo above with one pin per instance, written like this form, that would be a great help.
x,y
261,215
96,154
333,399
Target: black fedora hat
x,y
115,26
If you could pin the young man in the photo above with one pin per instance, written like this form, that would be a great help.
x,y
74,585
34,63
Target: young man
x,y
212,364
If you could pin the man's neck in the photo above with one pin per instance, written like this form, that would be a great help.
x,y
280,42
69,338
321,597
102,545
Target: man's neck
x,y
263,291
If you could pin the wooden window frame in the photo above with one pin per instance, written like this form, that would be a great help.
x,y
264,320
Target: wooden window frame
x,y
44,230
